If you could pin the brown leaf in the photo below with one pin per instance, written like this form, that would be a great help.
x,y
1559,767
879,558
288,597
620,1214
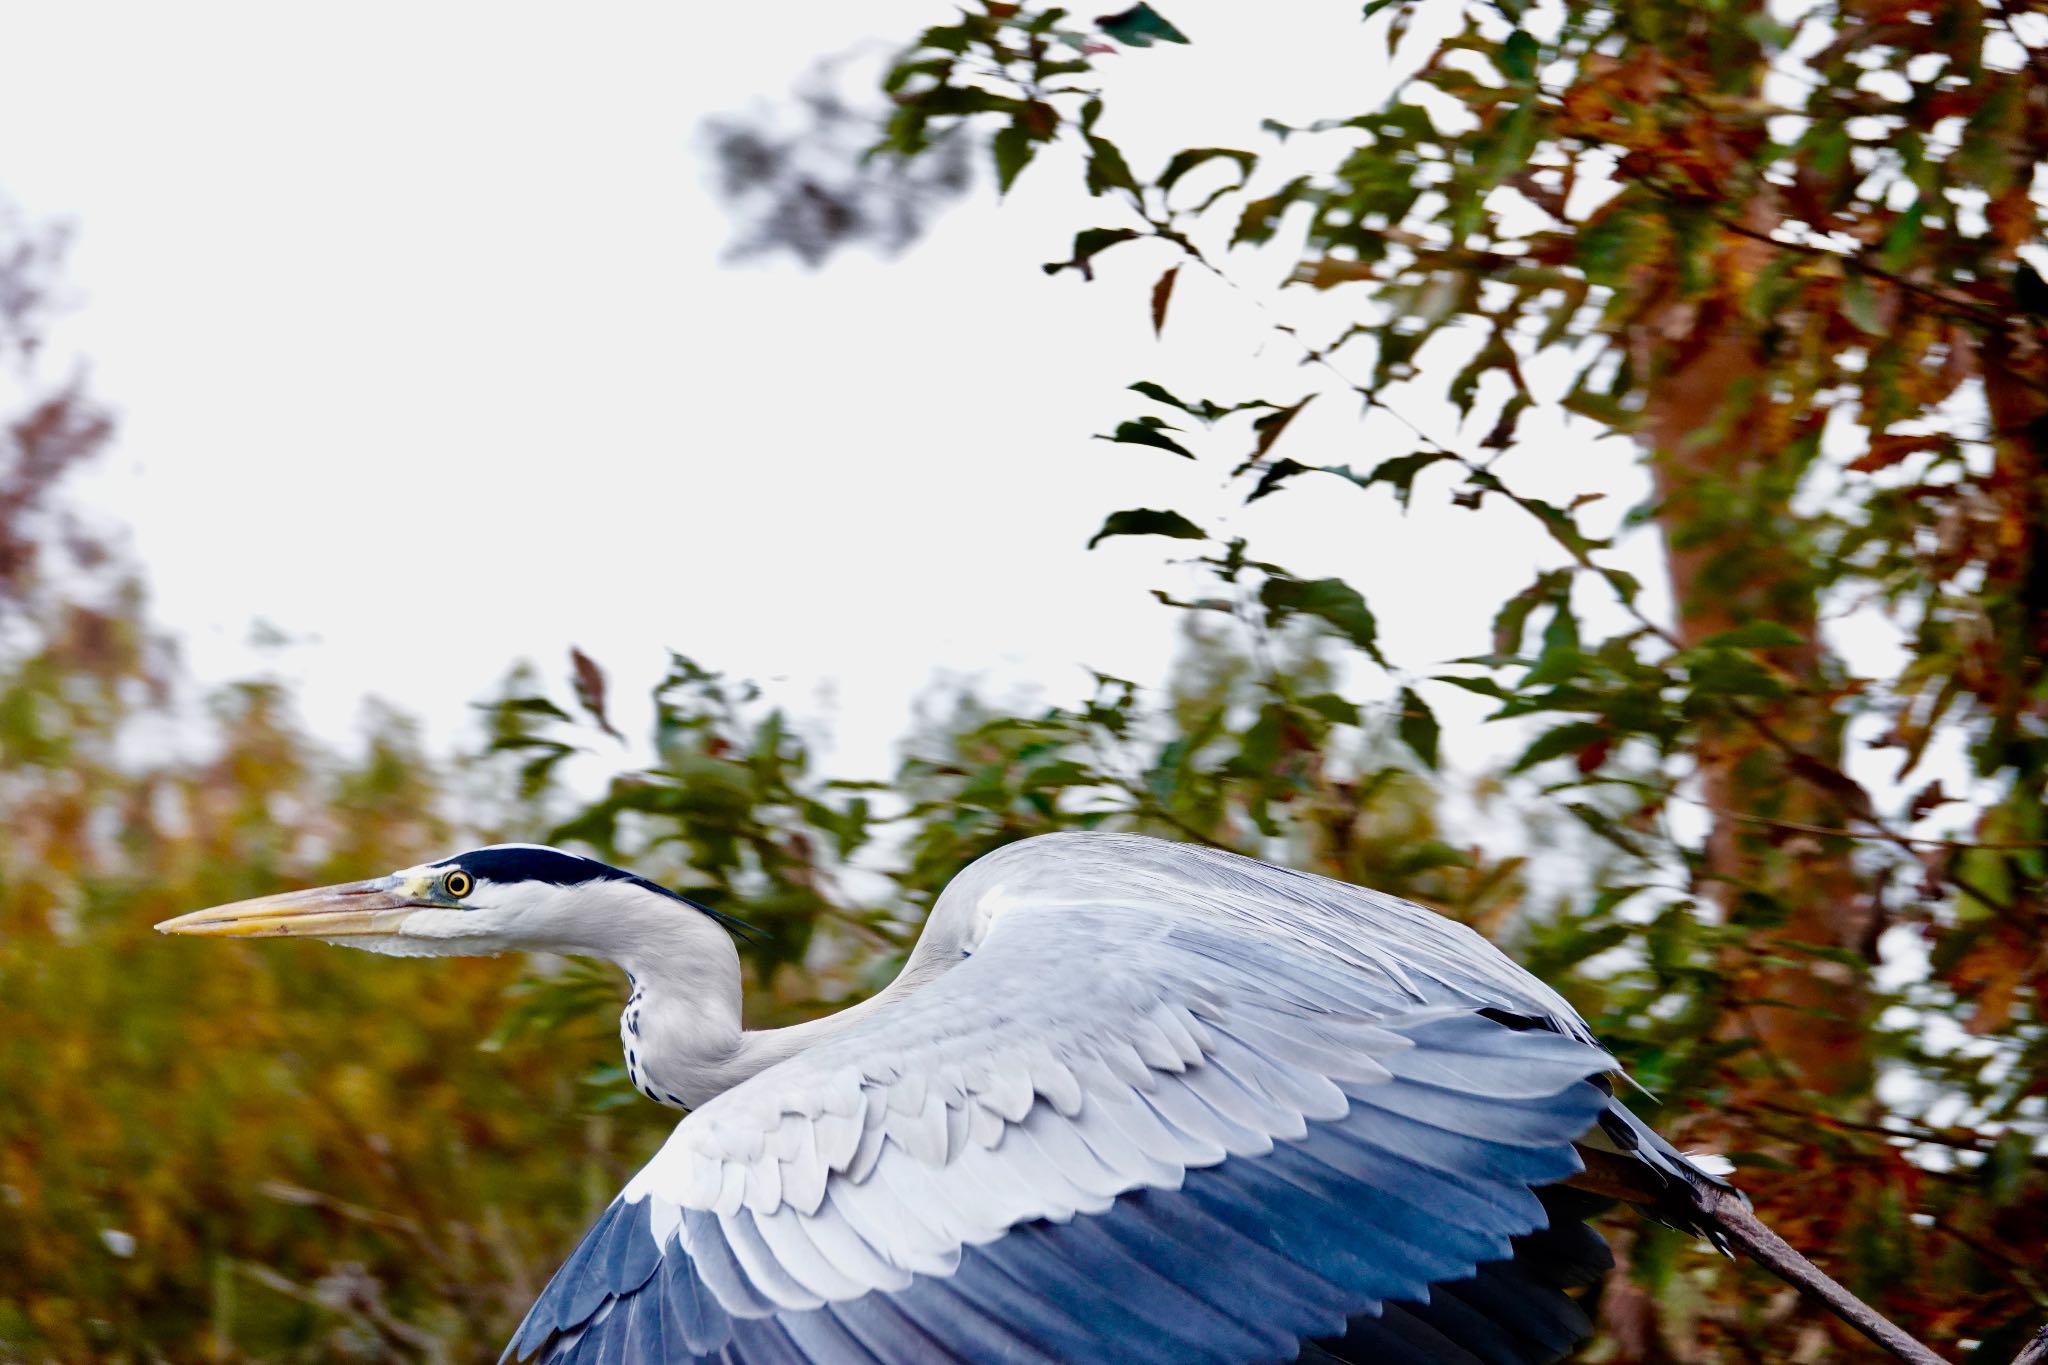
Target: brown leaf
x,y
1835,783
1330,271
1162,292
588,680
1991,973
1926,799
1887,450
2012,215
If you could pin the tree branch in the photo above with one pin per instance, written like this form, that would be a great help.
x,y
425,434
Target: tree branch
x,y
1731,1213
1958,304
1620,1177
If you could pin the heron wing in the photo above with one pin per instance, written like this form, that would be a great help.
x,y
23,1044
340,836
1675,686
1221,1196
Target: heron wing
x,y
1162,1110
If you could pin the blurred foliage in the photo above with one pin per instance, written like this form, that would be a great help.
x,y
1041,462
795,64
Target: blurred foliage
x,y
796,176
1779,249
1803,300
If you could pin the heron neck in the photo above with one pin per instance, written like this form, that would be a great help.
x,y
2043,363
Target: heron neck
x,y
682,1031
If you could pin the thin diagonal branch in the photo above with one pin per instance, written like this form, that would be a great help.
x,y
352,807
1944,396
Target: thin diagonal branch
x,y
1744,1230
1620,1177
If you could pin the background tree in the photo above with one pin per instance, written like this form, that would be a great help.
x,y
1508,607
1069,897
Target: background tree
x,y
1783,256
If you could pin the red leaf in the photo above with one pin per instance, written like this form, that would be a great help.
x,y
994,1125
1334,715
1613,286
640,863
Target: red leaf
x,y
1161,293
1886,451
588,680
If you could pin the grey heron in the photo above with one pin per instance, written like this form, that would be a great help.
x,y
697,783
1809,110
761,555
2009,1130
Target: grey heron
x,y
1128,1100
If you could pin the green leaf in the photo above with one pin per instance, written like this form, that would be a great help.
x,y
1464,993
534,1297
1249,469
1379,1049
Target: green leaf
x,y
1203,408
1148,431
1261,216
1755,635
1418,727
1861,305
1563,527
1625,584
900,74
1902,239
1728,673
1268,428
957,100
1185,161
1107,169
1331,601
1502,434
1147,521
1158,393
1573,737
1560,657
1495,357
1513,616
1088,244
1483,687
1275,474
1013,148
1140,26
1601,824
1399,473
948,37
533,706
1331,707
1518,56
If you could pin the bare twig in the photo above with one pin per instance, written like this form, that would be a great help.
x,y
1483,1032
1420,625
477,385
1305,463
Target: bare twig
x,y
1956,303
2036,1352
1912,1132
287,1193
352,1293
1874,834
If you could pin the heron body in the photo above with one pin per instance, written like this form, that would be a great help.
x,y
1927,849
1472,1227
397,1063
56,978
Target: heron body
x,y
1127,1100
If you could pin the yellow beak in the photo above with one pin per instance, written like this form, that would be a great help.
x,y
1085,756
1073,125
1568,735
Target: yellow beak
x,y
351,910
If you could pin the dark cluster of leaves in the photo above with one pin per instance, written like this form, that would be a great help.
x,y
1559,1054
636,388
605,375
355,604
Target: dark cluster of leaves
x,y
51,427
800,178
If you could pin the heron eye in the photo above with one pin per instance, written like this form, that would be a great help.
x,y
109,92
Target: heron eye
x,y
458,884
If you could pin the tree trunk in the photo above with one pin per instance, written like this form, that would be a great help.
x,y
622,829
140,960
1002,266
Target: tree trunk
x,y
1727,459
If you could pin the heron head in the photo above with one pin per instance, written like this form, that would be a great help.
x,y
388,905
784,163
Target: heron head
x,y
490,900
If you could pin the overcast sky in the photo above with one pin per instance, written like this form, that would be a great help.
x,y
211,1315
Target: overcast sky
x,y
424,352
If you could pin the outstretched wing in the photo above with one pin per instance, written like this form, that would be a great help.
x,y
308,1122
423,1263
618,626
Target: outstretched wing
x,y
1172,1105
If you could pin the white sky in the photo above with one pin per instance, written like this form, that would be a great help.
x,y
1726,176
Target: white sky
x,y
423,350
